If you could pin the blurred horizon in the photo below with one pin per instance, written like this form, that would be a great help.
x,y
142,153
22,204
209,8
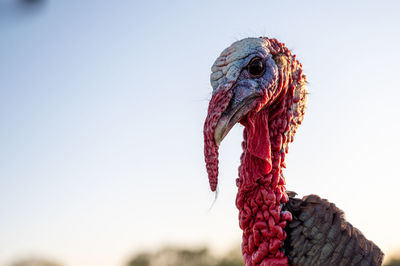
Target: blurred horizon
x,y
176,256
102,108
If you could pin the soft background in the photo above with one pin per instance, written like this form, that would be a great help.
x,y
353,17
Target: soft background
x,y
102,106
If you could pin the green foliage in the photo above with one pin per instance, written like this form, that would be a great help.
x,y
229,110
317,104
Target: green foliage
x,y
393,262
34,262
232,258
142,259
200,257
186,257
230,262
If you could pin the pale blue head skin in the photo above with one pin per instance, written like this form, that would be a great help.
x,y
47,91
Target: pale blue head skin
x,y
233,60
231,68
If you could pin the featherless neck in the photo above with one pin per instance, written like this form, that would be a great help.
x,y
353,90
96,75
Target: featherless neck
x,y
270,123
261,189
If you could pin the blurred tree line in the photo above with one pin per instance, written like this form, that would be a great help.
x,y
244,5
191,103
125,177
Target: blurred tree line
x,y
175,257
34,262
393,262
199,257
186,257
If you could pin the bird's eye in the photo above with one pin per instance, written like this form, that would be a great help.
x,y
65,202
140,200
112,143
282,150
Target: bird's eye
x,y
256,67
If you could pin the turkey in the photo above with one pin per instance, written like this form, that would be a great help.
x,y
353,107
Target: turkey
x,y
258,83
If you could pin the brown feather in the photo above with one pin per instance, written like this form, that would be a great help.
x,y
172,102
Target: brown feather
x,y
320,235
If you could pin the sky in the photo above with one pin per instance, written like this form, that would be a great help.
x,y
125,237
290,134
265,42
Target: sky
x,y
102,105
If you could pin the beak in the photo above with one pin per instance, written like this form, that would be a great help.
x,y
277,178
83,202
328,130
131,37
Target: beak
x,y
241,103
228,105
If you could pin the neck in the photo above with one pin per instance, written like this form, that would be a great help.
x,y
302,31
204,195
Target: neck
x,y
261,185
261,190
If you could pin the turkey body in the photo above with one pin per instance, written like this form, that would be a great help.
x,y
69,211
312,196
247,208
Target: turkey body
x,y
320,235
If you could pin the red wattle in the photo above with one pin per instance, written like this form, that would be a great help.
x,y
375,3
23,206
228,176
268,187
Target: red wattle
x,y
259,144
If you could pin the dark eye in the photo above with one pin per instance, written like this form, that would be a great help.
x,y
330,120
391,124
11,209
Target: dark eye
x,y
256,67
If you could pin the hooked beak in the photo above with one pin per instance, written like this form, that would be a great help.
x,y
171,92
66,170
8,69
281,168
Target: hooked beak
x,y
229,104
241,104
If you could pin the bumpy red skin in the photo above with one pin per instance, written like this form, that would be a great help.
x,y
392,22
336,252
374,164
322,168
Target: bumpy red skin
x,y
261,185
216,107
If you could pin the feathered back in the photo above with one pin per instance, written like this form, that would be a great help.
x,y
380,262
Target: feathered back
x,y
320,235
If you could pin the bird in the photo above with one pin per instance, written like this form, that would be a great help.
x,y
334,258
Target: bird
x,y
259,83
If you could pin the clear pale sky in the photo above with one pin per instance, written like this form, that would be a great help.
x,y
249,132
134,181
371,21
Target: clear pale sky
x,y
102,106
